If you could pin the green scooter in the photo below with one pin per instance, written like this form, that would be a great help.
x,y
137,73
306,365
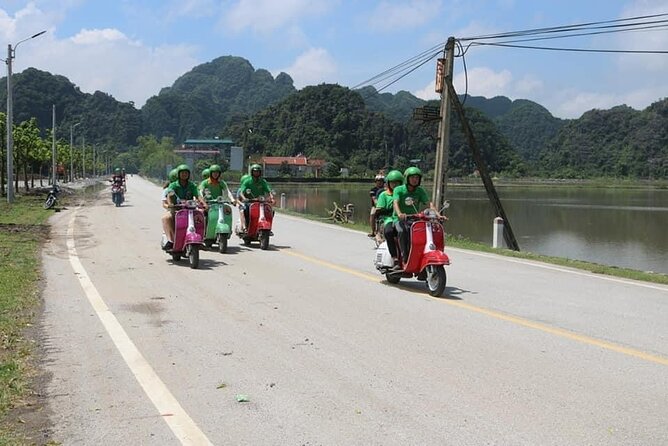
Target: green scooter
x,y
218,224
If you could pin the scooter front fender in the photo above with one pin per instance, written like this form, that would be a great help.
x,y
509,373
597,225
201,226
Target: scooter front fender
x,y
224,228
264,225
193,238
434,258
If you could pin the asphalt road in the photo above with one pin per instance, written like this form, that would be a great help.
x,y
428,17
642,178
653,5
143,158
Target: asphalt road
x,y
142,350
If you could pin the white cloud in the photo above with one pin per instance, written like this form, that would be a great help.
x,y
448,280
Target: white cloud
x,y
390,16
98,36
428,92
108,61
572,104
312,67
263,16
177,9
485,82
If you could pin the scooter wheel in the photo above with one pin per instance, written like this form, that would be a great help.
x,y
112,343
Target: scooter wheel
x,y
436,280
393,278
193,257
264,240
222,244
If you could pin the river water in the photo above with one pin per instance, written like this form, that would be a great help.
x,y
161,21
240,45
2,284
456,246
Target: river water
x,y
611,226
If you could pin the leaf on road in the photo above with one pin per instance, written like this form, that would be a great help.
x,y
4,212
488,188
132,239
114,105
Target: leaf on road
x,y
221,386
242,398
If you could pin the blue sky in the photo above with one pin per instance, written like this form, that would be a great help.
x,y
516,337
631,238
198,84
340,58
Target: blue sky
x,y
131,49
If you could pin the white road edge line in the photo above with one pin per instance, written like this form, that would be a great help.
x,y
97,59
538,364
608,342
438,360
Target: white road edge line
x,y
183,427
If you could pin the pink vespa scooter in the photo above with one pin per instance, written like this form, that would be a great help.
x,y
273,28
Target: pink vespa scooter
x,y
188,232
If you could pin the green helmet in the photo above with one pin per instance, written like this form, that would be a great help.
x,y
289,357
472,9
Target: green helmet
x,y
173,175
205,173
215,168
256,167
412,171
180,168
394,175
117,170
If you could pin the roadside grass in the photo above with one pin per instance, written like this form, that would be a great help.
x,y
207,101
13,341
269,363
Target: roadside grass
x,y
457,241
22,232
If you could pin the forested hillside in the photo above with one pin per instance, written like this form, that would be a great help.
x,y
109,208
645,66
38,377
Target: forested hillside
x,y
103,120
620,142
202,101
332,122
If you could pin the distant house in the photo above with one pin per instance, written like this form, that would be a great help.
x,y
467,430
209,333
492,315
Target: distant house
x,y
298,166
213,149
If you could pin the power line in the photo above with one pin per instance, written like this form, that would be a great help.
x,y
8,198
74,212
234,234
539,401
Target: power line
x,y
562,28
580,50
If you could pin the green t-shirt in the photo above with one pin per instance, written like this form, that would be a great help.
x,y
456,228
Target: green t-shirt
x,y
215,190
385,202
187,192
257,188
401,194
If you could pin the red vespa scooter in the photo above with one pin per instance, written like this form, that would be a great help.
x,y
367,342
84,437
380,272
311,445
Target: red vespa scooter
x,y
260,220
426,259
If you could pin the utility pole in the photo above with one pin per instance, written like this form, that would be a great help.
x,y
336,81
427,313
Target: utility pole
x,y
53,145
10,129
72,151
443,72
10,118
83,157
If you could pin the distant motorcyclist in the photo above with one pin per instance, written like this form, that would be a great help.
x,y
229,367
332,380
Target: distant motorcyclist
x,y
252,187
183,189
117,178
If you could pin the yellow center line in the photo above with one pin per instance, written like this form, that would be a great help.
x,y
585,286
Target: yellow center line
x,y
657,359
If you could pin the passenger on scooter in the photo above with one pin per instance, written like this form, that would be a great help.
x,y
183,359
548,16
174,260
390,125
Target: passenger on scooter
x,y
252,187
375,191
205,176
173,176
183,189
213,187
385,209
409,198
125,187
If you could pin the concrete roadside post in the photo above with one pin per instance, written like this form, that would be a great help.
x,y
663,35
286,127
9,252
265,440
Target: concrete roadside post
x,y
497,234
283,200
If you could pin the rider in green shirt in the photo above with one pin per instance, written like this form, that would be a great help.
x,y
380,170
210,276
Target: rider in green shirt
x,y
183,189
252,187
409,198
214,187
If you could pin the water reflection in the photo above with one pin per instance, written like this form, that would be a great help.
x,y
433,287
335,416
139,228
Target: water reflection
x,y
622,227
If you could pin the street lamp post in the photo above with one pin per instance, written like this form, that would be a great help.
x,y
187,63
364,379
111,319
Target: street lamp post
x,y
72,151
11,53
